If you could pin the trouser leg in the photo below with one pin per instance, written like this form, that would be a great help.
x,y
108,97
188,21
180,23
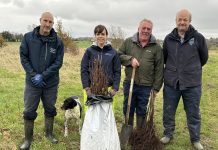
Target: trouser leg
x,y
171,100
32,97
191,100
143,94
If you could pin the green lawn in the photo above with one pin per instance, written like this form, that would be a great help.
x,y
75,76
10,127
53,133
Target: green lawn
x,y
11,106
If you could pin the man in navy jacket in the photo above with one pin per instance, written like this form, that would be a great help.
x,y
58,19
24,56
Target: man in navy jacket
x,y
185,53
41,54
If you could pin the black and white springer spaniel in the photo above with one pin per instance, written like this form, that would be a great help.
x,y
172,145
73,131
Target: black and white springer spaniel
x,y
73,110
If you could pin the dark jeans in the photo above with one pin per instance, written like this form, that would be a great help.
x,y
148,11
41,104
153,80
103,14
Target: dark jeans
x,y
140,97
191,100
32,96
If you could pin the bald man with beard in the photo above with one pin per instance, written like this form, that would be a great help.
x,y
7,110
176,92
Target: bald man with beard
x,y
41,55
185,53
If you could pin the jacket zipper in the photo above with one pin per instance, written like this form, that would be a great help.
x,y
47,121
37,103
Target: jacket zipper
x,y
46,50
177,46
101,55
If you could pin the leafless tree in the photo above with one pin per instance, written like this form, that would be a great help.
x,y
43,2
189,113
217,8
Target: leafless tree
x,y
117,36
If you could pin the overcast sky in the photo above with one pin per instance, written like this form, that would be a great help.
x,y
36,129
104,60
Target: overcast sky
x,y
79,17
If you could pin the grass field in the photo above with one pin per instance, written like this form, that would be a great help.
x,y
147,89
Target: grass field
x,y
11,106
83,44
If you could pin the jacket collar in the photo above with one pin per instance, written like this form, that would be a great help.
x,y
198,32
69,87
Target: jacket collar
x,y
135,39
50,38
107,46
189,34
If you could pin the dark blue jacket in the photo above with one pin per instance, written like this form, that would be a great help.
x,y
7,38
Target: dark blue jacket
x,y
42,55
184,60
110,63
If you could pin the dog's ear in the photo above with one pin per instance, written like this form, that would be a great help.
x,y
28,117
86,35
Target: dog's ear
x,y
69,103
68,100
65,103
73,104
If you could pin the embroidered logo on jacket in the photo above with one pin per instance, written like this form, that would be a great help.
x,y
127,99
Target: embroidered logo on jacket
x,y
108,54
52,50
191,41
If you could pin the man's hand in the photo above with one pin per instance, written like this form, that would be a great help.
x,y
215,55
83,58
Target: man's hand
x,y
134,63
37,81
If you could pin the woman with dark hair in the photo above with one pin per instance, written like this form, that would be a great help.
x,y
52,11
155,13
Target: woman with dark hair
x,y
100,71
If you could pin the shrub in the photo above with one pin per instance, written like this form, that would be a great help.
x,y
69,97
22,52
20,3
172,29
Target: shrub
x,y
69,45
2,41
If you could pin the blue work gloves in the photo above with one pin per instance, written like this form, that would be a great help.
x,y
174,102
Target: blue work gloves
x,y
38,81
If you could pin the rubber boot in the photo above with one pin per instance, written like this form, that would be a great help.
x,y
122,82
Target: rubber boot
x,y
49,122
131,120
28,130
140,122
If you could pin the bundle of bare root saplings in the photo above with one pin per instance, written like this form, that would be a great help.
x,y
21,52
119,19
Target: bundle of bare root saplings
x,y
145,138
98,78
99,84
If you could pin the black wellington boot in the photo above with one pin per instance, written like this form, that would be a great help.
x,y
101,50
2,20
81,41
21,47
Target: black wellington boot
x,y
140,122
131,120
49,122
28,130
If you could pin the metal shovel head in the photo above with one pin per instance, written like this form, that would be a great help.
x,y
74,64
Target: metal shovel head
x,y
125,134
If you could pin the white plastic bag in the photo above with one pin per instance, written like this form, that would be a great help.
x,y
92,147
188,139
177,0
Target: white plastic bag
x,y
99,130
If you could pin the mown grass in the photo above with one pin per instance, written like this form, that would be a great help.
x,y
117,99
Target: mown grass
x,y
11,106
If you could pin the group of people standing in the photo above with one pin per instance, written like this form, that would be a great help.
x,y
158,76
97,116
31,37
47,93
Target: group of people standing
x,y
178,63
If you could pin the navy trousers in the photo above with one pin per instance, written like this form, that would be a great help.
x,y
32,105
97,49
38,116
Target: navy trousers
x,y
140,98
191,100
32,96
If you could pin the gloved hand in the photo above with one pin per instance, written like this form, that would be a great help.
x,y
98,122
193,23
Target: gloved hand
x,y
113,92
38,81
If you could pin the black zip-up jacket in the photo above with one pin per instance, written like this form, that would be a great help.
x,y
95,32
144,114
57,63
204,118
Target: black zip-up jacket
x,y
42,55
110,62
184,60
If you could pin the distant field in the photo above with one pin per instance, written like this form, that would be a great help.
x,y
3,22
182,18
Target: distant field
x,y
83,44
11,105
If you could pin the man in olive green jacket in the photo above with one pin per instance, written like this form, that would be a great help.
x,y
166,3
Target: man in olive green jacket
x,y
145,54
